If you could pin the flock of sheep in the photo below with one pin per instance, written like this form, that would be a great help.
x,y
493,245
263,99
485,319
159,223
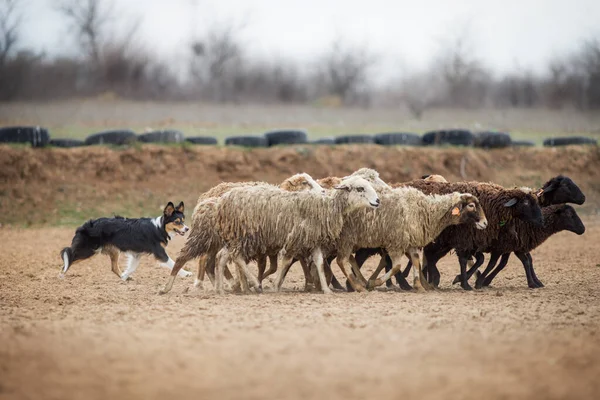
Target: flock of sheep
x,y
352,218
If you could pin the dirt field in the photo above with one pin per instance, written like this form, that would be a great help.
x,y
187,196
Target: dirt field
x,y
93,336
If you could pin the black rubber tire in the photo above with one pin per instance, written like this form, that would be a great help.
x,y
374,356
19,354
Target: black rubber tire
x,y
522,143
116,137
207,140
163,136
354,139
569,140
394,139
66,143
246,141
34,135
492,140
325,140
275,138
455,137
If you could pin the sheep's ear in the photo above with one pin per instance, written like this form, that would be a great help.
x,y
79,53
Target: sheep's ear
x,y
169,209
456,210
180,207
511,202
549,188
425,176
342,187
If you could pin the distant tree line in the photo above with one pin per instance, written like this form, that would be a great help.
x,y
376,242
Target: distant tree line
x,y
221,68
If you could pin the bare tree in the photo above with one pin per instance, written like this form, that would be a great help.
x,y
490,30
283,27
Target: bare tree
x,y
10,20
464,76
345,71
89,20
217,61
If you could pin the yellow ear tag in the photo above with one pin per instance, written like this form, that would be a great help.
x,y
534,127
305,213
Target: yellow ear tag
x,y
455,211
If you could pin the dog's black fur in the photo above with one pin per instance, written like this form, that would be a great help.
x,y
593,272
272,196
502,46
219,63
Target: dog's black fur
x,y
133,235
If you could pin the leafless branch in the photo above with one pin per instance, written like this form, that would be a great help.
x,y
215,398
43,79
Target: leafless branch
x,y
9,25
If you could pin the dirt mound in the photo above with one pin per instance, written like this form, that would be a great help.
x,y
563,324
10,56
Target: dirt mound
x,y
69,185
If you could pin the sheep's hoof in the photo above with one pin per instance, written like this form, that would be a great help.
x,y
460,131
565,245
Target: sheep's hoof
x,y
456,280
163,291
372,284
466,286
327,291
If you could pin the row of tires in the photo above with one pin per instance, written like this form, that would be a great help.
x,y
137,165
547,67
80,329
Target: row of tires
x,y
40,137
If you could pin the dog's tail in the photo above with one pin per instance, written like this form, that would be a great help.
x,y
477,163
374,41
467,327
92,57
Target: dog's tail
x,y
67,255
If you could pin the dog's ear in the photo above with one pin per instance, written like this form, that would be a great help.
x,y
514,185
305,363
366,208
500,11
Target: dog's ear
x,y
180,207
169,209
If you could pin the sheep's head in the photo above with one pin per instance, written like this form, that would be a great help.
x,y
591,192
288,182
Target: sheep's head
x,y
467,210
524,206
360,193
329,182
372,176
434,178
564,218
301,182
560,189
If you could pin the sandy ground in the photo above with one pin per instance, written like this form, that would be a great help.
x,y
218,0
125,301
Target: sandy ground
x,y
92,336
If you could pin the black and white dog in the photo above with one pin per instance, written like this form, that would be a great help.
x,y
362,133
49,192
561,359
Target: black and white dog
x,y
134,236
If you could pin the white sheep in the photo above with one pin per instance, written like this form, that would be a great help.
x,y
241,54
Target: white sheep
x,y
406,220
261,220
203,222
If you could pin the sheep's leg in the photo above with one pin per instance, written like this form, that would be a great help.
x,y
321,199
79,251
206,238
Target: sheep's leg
x,y
262,265
413,254
396,257
317,259
380,266
356,271
535,278
491,264
308,279
272,266
201,271
241,275
408,268
221,262
285,262
503,261
353,282
525,261
400,277
462,260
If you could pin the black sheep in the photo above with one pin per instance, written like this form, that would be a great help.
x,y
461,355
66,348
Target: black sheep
x,y
528,236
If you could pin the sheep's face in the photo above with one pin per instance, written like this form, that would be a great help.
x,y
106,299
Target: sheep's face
x,y
524,206
568,220
560,189
360,193
300,183
468,211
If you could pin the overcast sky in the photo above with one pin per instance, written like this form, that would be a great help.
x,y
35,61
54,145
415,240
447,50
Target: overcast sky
x,y
405,34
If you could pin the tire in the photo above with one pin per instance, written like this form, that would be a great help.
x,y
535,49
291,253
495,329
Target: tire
x,y
455,137
492,140
207,140
569,140
523,143
275,138
393,139
116,137
354,139
34,135
246,141
325,140
165,136
66,143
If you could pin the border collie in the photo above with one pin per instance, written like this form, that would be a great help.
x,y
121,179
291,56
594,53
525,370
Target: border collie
x,y
134,236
